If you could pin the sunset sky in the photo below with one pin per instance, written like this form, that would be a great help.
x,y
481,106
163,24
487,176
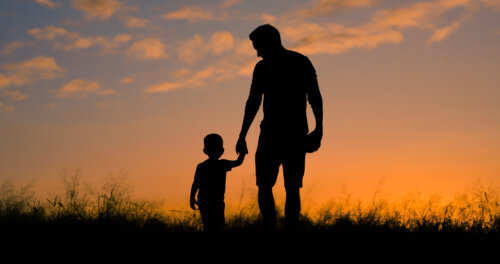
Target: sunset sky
x,y
411,92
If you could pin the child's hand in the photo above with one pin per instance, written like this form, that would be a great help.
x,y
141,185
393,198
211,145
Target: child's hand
x,y
193,203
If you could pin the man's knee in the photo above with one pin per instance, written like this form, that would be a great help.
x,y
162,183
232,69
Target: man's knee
x,y
265,191
292,192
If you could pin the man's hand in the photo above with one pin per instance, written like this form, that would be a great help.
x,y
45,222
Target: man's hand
x,y
241,146
313,140
193,203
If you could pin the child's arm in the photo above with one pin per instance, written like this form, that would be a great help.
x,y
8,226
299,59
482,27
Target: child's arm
x,y
238,162
194,190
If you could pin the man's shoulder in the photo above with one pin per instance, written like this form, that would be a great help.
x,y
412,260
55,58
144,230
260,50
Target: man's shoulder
x,y
297,56
301,61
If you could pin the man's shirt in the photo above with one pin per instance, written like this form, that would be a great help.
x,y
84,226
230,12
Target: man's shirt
x,y
285,82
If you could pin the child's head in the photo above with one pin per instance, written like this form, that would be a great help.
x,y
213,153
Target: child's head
x,y
213,146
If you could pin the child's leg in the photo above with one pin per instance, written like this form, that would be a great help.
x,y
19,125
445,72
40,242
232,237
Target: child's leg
x,y
220,216
210,217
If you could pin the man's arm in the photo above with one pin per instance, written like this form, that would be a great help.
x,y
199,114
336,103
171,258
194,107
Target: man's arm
x,y
251,109
316,101
238,162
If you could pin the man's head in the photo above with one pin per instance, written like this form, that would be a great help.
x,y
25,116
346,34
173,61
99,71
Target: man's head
x,y
266,40
213,146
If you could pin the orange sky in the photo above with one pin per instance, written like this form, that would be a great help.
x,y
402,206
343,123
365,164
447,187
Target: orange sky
x,y
410,88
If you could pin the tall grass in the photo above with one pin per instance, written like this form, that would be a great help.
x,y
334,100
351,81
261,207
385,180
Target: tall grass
x,y
111,207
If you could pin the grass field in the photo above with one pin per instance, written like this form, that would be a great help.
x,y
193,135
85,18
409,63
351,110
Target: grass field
x,y
109,217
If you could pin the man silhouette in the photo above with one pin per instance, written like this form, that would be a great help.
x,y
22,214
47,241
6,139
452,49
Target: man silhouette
x,y
286,80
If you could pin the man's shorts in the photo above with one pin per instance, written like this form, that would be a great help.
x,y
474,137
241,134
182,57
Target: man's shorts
x,y
273,151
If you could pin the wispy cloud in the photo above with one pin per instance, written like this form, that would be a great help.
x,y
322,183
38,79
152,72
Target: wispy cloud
x,y
73,40
196,48
98,9
25,72
106,43
495,4
229,3
219,71
50,33
47,3
4,107
16,95
334,38
327,7
81,88
441,33
205,12
191,13
10,47
385,27
127,80
197,79
148,49
133,22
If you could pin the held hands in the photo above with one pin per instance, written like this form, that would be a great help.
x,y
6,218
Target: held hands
x,y
241,146
193,203
313,140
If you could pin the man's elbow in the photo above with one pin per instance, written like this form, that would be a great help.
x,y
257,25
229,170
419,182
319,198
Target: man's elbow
x,y
316,101
252,107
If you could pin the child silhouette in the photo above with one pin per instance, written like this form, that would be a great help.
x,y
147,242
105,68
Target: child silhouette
x,y
210,183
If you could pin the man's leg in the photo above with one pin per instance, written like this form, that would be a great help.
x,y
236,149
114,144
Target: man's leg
x,y
267,163
292,205
267,206
293,172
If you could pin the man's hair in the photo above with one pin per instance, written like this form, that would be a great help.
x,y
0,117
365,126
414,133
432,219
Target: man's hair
x,y
212,141
266,33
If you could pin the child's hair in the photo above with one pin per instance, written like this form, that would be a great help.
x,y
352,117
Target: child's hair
x,y
213,141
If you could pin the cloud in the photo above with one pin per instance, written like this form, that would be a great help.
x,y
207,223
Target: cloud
x,y
105,104
442,33
100,9
81,88
495,4
420,14
326,7
47,3
133,22
106,43
312,38
267,18
4,107
229,3
221,41
191,13
10,47
73,40
385,27
181,73
38,68
4,80
191,50
16,95
195,80
220,71
196,48
50,33
148,49
127,80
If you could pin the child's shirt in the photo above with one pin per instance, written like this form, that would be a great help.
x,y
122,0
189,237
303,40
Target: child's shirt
x,y
211,175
